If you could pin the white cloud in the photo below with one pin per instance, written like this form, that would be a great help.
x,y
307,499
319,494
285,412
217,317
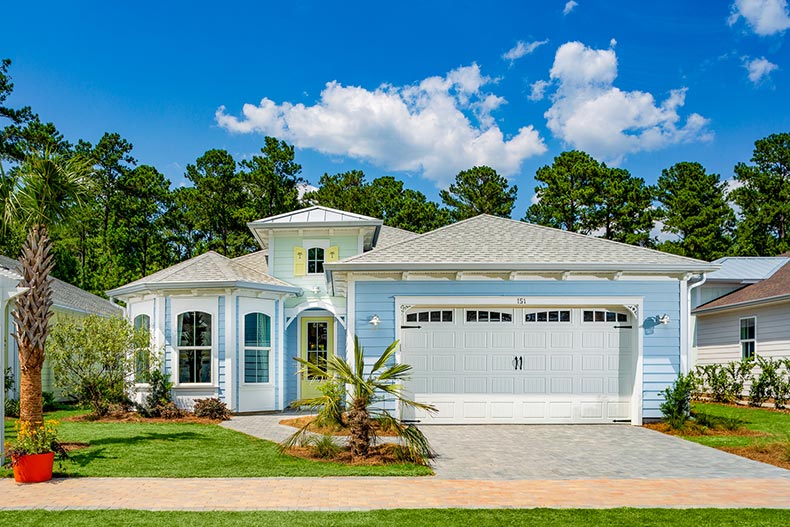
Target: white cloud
x,y
538,90
522,48
759,69
437,127
658,233
765,17
590,113
569,5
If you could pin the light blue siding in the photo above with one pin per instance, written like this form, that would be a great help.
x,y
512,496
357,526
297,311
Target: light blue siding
x,y
168,337
661,346
221,347
291,351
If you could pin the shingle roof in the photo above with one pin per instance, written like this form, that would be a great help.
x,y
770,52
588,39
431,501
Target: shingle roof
x,y
392,235
256,261
776,287
207,270
67,296
746,268
490,241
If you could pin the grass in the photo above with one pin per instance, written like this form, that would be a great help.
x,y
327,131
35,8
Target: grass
x,y
775,424
423,517
181,450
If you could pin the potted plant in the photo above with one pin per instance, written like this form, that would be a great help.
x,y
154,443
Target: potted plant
x,y
33,454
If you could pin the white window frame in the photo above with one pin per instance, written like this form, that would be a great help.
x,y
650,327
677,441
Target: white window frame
x,y
741,341
501,311
150,333
244,349
314,244
212,348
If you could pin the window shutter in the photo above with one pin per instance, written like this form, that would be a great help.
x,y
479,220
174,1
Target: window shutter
x,y
300,261
332,254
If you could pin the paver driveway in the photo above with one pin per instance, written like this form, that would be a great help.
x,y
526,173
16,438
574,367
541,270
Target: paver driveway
x,y
580,452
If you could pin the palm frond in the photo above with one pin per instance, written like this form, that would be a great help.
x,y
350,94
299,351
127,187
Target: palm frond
x,y
385,357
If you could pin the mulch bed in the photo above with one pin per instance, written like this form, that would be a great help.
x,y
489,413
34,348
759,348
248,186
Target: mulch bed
x,y
134,417
69,447
379,455
772,453
695,430
299,422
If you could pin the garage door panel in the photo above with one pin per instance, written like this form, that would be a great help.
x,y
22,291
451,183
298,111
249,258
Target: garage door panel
x,y
521,372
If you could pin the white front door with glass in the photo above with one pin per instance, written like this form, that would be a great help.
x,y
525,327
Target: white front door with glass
x,y
256,390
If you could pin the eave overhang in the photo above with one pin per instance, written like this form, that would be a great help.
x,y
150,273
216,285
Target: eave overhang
x,y
169,286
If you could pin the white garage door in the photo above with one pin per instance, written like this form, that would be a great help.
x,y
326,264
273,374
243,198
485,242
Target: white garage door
x,y
520,365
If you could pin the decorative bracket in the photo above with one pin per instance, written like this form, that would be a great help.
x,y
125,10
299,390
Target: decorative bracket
x,y
634,309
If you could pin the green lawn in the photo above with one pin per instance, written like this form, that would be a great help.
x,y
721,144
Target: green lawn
x,y
776,424
181,450
399,518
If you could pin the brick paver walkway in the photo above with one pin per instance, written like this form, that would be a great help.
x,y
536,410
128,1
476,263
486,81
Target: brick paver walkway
x,y
388,493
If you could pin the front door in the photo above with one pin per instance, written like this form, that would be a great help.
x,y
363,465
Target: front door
x,y
317,346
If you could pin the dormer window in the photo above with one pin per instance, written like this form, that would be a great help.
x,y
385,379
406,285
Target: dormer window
x,y
315,260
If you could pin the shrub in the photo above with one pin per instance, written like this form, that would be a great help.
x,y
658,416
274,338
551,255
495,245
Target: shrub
x,y
770,383
160,395
323,446
724,383
676,407
12,407
48,399
171,411
93,359
10,382
212,408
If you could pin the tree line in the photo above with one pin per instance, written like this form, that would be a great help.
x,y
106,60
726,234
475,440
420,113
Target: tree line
x,y
135,223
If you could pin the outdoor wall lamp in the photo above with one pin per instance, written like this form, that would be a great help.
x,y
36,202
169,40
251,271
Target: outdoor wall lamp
x,y
375,321
662,319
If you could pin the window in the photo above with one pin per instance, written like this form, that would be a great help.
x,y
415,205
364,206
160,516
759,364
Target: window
x,y
748,337
548,316
315,260
142,362
257,346
194,347
317,350
430,316
604,316
473,315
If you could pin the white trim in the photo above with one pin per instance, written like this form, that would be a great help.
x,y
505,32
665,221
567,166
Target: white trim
x,y
316,243
530,301
292,313
279,307
351,302
684,327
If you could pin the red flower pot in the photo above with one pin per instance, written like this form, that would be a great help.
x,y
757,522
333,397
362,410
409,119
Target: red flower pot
x,y
34,468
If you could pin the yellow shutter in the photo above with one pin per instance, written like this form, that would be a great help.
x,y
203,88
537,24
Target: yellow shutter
x,y
300,261
332,254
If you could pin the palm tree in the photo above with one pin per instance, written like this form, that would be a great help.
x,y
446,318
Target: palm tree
x,y
365,395
38,193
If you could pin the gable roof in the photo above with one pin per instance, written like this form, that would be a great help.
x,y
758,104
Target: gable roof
x,y
392,235
773,289
746,268
314,215
209,269
67,296
491,242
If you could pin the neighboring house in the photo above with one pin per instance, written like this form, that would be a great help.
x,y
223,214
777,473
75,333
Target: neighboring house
x,y
503,321
67,301
747,312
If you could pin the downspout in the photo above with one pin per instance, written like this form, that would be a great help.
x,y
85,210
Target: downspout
x,y
3,307
691,324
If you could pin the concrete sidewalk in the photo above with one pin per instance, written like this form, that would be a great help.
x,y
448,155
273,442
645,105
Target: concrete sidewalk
x,y
338,494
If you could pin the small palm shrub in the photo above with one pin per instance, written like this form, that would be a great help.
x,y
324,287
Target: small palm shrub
x,y
676,407
160,396
171,411
12,407
323,446
212,408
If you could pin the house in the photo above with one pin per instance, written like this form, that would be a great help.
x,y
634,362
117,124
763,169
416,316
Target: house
x,y
67,301
503,321
745,310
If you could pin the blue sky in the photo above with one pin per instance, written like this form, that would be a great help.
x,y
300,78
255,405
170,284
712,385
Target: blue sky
x,y
416,90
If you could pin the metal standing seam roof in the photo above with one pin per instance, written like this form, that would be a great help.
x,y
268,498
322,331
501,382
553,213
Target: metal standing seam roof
x,y
774,288
67,296
746,268
206,270
490,241
316,214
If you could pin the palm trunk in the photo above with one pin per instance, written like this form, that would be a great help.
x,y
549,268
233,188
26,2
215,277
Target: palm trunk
x,y
31,319
359,429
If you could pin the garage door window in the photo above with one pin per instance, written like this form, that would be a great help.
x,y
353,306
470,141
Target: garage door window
x,y
474,315
548,316
604,316
430,316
